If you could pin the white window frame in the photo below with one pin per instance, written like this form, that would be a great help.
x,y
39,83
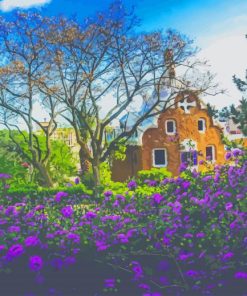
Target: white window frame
x,y
174,125
153,157
203,125
213,153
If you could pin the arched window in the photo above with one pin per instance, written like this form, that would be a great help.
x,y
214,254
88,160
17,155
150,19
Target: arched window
x,y
159,157
201,125
170,127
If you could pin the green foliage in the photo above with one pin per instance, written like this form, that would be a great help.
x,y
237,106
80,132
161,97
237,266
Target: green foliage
x,y
61,165
10,161
105,176
34,191
239,116
157,174
212,111
119,153
62,162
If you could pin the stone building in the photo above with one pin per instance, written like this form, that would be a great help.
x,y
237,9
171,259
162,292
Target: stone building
x,y
183,133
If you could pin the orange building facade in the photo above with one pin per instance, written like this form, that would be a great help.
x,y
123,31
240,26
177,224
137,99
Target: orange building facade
x,y
184,133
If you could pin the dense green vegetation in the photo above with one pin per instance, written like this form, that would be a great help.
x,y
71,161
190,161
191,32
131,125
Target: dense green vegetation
x,y
176,236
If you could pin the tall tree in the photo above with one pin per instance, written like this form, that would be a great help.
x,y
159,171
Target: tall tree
x,y
239,114
24,59
102,66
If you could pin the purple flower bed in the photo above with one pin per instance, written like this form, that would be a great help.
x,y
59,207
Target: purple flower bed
x,y
180,236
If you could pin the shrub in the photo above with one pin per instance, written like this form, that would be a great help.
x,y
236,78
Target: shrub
x,y
156,174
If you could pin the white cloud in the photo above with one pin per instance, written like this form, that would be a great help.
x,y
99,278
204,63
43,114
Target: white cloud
x,y
7,5
226,52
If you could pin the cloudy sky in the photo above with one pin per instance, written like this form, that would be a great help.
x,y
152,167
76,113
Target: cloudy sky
x,y
218,27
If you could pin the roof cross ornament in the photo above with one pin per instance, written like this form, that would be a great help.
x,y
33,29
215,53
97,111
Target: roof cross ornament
x,y
185,105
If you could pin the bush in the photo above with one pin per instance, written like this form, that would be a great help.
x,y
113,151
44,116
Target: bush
x,y
156,174
185,236
34,190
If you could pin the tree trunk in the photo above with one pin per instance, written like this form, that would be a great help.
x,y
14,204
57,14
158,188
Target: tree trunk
x,y
84,163
46,179
96,176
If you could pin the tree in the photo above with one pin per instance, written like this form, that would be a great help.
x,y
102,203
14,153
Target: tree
x,y
61,164
239,114
104,63
23,65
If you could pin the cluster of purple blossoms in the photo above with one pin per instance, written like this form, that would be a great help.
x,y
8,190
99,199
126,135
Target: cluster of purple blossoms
x,y
60,195
137,269
157,198
15,251
5,176
35,263
110,283
31,241
132,185
67,211
74,237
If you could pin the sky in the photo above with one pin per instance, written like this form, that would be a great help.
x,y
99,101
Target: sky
x,y
218,28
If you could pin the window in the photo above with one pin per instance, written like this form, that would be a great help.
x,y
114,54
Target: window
x,y
170,127
201,125
189,157
159,158
210,153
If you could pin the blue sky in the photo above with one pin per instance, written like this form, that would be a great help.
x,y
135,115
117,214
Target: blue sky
x,y
217,26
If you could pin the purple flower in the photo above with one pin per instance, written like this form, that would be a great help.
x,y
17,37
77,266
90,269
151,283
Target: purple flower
x,y
31,241
122,238
101,245
184,256
77,181
151,183
185,185
137,269
192,273
69,260
39,208
228,155
228,206
241,275
227,256
157,198
67,211
14,229
144,286
177,206
57,263
163,280
59,195
35,263
120,197
132,185
200,234
188,235
5,176
15,250
207,178
237,152
183,167
2,247
110,283
74,237
108,193
90,215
